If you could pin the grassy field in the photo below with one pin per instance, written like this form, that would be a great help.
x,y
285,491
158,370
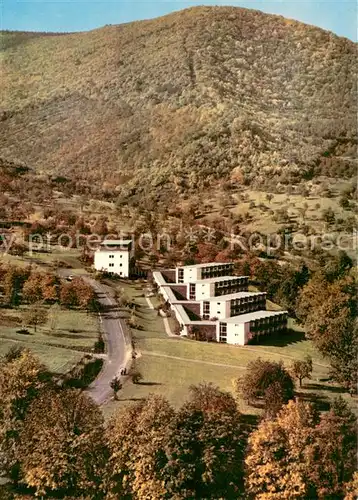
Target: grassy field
x,y
170,365
66,335
261,210
65,256
59,343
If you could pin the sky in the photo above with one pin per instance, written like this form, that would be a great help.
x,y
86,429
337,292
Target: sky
x,y
339,16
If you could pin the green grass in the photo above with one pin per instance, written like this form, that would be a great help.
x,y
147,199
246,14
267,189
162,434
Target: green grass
x,y
170,365
45,260
59,348
57,359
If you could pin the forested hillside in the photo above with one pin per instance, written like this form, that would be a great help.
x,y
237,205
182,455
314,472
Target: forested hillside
x,y
198,97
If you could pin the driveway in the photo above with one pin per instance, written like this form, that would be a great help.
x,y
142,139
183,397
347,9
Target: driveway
x,y
118,343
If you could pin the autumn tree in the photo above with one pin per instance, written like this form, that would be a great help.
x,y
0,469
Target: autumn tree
x,y
260,375
298,455
68,295
50,288
205,447
336,460
273,399
135,375
35,315
116,386
22,378
279,455
328,311
301,369
137,437
32,289
13,281
62,444
85,294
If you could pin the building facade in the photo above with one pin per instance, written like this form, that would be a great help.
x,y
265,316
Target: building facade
x,y
249,328
225,306
195,272
114,257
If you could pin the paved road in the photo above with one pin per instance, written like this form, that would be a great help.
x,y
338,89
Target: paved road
x,y
118,345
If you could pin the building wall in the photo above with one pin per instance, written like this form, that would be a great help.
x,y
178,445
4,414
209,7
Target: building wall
x,y
236,333
239,284
181,289
219,309
169,275
204,291
193,307
193,273
112,261
189,274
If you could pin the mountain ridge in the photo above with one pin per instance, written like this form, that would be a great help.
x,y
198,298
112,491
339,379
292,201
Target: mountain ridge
x,y
197,97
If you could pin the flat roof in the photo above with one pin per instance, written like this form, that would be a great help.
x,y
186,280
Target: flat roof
x,y
116,243
159,278
244,318
186,320
207,264
229,296
171,297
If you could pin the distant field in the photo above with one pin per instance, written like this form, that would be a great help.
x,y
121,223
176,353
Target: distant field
x,y
170,365
262,211
68,257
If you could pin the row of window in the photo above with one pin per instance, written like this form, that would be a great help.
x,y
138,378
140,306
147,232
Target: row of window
x,y
111,264
237,281
112,256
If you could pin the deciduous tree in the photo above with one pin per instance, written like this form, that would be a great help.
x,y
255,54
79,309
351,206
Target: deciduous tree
x,y
62,444
297,455
301,369
32,289
116,385
35,315
280,454
137,437
22,378
260,375
205,447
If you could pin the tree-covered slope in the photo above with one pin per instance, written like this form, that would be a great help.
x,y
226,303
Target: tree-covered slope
x,y
181,101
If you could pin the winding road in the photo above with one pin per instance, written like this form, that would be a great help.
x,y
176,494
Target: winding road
x,y
118,342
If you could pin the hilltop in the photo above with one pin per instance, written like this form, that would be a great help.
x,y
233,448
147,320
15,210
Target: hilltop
x,y
185,102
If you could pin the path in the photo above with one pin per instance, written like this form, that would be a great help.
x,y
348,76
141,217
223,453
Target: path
x,y
168,330
191,360
118,344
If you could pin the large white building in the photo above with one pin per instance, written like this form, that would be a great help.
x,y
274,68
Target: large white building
x,y
114,256
206,298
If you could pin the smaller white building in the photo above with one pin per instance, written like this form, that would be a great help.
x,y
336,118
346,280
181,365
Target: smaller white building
x,y
114,256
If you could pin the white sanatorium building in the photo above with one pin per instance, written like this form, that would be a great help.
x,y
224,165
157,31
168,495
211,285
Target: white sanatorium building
x,y
114,256
207,297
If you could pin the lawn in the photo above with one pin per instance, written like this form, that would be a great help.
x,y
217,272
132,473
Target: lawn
x,y
57,359
44,260
59,343
170,365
